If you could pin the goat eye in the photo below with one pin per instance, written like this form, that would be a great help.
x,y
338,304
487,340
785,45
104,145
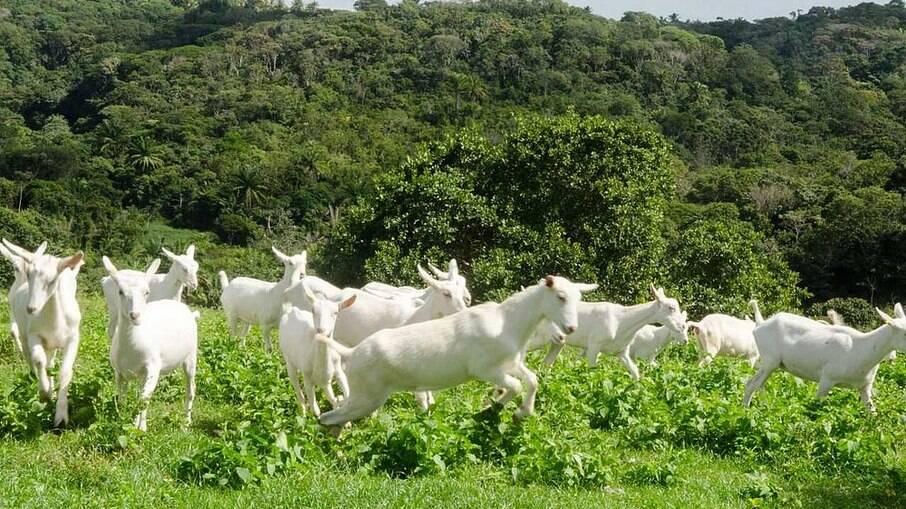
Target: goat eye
x,y
448,294
121,293
562,297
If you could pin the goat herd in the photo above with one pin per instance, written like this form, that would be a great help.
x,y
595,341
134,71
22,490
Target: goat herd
x,y
382,339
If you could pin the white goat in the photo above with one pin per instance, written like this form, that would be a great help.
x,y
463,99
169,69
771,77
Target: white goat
x,y
836,319
48,317
483,342
19,269
720,334
152,338
183,274
111,293
828,354
318,363
610,328
651,339
452,274
372,313
248,301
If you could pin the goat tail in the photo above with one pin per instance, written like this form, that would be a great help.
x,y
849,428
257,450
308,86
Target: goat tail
x,y
757,311
224,281
343,350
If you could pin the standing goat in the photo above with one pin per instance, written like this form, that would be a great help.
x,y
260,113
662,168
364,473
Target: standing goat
x,y
183,274
720,334
828,354
48,317
248,301
21,279
318,363
610,328
152,338
480,343
372,313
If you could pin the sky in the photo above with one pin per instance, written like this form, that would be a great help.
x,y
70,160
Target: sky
x,y
705,10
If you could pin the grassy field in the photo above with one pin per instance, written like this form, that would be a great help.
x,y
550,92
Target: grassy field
x,y
679,438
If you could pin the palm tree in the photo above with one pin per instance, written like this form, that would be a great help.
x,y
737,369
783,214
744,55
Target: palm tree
x,y
144,155
250,186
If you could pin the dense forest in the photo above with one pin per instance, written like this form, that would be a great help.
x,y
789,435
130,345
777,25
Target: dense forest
x,y
725,160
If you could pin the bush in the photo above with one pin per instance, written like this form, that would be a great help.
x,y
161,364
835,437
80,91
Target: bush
x,y
856,312
578,196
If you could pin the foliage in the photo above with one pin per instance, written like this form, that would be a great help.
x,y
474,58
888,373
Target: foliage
x,y
585,203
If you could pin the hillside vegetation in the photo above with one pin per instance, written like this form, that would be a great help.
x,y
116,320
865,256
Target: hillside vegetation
x,y
761,147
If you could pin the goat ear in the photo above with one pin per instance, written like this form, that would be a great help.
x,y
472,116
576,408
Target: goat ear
x,y
549,281
452,269
169,254
898,310
586,287
190,251
152,267
72,262
348,302
282,257
308,293
304,255
653,290
426,277
684,315
108,265
41,249
884,316
22,253
439,274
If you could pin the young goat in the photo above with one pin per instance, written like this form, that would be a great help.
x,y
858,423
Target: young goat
x,y
152,338
651,339
48,317
610,328
248,301
19,269
480,343
720,334
318,363
828,354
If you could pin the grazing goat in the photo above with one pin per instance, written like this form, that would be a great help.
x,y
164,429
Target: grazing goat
x,y
720,334
48,317
610,328
152,338
19,270
248,301
483,342
651,339
318,363
828,354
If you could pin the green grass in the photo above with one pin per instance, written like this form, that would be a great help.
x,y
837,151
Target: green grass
x,y
677,439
